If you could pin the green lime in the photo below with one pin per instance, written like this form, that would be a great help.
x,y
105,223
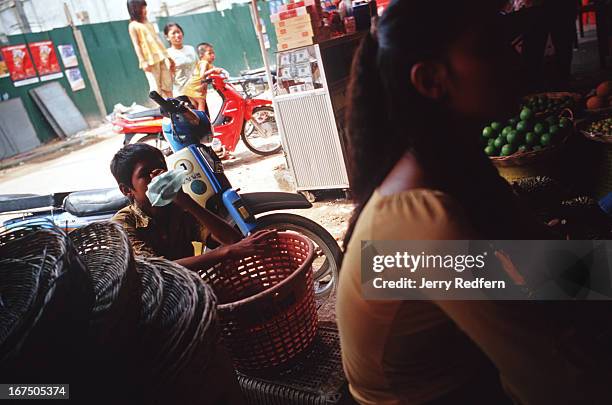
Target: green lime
x,y
507,150
546,139
539,128
491,142
497,126
490,150
526,114
522,126
513,137
506,130
488,132
531,138
536,148
523,149
499,142
513,121
553,130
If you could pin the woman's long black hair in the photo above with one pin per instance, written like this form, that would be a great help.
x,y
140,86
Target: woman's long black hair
x,y
387,117
135,9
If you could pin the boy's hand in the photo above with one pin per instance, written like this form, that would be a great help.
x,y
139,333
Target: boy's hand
x,y
254,244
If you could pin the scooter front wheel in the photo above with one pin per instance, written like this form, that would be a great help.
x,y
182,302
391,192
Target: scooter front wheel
x,y
260,134
328,255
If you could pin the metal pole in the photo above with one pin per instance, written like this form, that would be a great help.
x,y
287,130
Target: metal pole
x,y
78,36
262,46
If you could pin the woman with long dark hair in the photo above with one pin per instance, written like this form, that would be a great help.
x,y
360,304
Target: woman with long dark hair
x,y
422,86
152,56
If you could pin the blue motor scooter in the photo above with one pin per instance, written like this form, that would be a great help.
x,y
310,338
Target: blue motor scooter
x,y
186,130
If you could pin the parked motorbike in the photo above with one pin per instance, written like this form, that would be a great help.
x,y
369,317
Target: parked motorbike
x,y
206,183
241,116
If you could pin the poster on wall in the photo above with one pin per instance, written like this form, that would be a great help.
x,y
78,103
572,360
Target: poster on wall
x,y
69,58
75,79
3,69
45,60
19,64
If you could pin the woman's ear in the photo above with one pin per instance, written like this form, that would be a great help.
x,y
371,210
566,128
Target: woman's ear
x,y
429,79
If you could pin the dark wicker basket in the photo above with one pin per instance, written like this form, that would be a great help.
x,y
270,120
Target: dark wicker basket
x,y
267,307
556,95
603,183
533,163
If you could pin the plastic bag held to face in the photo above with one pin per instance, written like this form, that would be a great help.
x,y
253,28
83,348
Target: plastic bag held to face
x,y
163,188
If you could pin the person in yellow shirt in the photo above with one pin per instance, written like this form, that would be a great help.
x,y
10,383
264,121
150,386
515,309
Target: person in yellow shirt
x,y
152,56
195,88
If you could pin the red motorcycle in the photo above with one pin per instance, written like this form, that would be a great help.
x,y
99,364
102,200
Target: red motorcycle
x,y
239,117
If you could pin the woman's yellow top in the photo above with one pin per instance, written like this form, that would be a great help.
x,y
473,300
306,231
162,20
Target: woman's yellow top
x,y
152,49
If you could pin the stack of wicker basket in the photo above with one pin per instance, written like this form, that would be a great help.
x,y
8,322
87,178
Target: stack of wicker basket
x,y
83,310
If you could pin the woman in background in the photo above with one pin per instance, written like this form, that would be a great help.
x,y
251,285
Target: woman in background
x,y
184,57
152,56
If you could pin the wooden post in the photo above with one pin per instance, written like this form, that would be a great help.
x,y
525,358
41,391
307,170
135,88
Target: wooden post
x,y
78,36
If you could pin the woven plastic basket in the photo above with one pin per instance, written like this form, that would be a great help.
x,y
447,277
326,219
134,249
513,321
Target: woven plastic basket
x,y
267,307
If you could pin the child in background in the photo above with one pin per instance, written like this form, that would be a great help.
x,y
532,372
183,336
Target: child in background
x,y
195,88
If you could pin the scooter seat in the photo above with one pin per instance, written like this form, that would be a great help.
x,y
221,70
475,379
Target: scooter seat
x,y
94,202
152,113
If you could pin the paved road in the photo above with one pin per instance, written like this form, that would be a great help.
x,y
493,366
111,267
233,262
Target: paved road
x,y
88,168
81,169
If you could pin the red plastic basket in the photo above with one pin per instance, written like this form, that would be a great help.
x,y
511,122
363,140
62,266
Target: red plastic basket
x,y
266,305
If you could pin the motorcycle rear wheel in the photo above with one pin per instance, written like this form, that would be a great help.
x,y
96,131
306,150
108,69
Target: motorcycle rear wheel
x,y
263,143
328,255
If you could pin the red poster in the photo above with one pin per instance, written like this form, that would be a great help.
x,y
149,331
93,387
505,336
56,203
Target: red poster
x,y
18,62
44,57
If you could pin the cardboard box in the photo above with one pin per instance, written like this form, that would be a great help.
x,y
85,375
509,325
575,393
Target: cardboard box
x,y
283,46
303,3
302,27
292,36
296,12
289,22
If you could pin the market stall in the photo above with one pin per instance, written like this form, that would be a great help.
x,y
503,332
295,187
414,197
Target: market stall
x,y
315,51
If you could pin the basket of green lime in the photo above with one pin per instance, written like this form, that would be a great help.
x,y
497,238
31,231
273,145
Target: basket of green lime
x,y
546,104
525,145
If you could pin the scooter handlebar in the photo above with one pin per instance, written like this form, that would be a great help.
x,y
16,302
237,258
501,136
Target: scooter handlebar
x,y
164,104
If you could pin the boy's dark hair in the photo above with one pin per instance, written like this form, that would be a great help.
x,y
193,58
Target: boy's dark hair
x,y
135,9
205,45
125,160
170,25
